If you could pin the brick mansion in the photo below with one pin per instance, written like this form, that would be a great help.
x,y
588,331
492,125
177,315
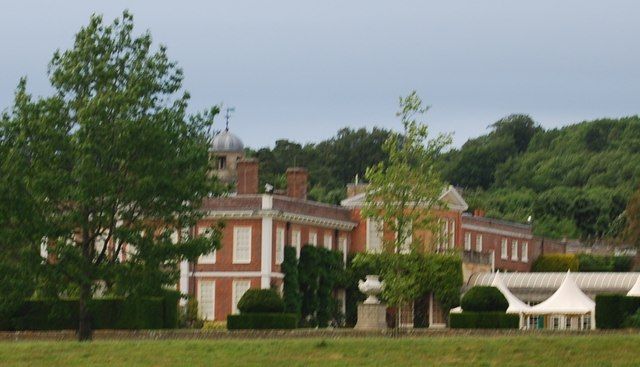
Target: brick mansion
x,y
259,225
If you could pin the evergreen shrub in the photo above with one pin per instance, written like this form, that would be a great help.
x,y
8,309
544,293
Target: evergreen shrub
x,y
483,320
260,301
484,299
612,310
555,263
290,288
106,313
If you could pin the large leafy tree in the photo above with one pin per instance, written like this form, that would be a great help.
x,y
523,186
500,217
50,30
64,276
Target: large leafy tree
x,y
402,195
110,164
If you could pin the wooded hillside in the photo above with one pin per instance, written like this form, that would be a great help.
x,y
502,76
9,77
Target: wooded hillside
x,y
574,181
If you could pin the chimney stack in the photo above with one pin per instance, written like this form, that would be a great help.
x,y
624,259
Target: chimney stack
x,y
247,176
478,213
354,189
297,178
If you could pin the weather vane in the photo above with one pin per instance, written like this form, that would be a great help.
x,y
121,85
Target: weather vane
x,y
228,114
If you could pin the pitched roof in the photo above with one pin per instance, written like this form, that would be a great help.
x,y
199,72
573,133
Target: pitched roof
x,y
515,304
635,290
568,299
449,195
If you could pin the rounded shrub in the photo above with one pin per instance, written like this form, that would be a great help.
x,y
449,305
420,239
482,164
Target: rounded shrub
x,y
484,299
261,301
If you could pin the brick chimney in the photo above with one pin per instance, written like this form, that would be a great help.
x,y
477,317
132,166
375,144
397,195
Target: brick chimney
x,y
247,176
478,213
354,189
297,178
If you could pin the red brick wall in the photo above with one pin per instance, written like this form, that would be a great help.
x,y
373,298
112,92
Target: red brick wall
x,y
297,178
359,233
224,294
224,256
247,176
493,241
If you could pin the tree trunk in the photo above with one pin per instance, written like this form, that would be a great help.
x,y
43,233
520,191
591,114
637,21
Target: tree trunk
x,y
85,332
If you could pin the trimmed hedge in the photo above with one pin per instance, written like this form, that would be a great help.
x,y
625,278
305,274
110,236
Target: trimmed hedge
x,y
106,313
261,301
555,263
593,263
484,299
170,303
612,310
483,320
262,321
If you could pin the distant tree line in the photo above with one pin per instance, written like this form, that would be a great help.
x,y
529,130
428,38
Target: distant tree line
x,y
332,163
573,182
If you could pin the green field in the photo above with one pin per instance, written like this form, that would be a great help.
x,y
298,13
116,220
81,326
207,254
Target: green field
x,y
524,350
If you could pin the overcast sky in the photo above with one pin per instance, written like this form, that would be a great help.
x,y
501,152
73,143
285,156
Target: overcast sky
x,y
301,70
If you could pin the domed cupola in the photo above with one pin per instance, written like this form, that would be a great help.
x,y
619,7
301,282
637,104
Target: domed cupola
x,y
226,150
226,142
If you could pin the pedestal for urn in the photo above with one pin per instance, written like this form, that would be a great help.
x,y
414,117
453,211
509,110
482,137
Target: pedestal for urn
x,y
372,315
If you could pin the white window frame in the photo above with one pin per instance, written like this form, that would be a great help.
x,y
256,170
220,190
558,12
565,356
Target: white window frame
x,y
280,234
328,241
444,235
201,312
374,244
504,248
405,248
344,247
452,234
514,250
235,297
296,238
209,258
236,258
478,243
525,252
467,241
313,238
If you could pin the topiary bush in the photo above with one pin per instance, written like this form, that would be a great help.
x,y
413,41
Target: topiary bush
x,y
290,288
308,273
484,299
261,301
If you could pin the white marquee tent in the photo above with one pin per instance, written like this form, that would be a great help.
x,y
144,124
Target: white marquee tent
x,y
567,308
516,306
635,290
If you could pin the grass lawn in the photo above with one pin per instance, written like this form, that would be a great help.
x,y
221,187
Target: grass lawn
x,y
522,350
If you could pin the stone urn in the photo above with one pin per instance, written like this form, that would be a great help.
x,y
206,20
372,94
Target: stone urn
x,y
371,287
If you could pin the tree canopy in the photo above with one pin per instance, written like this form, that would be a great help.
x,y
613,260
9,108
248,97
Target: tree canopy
x,y
574,181
109,164
332,163
401,196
